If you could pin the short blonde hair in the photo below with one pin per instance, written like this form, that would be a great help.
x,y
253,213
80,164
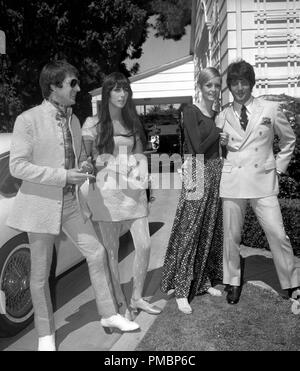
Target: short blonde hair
x,y
207,74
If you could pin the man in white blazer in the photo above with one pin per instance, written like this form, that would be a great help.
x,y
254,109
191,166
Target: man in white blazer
x,y
46,145
250,173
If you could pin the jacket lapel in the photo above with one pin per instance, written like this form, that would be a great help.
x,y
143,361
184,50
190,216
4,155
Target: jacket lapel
x,y
233,121
254,118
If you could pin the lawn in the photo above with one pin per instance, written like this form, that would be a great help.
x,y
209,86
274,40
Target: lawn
x,y
261,321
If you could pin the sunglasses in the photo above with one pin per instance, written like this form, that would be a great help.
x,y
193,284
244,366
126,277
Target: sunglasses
x,y
74,82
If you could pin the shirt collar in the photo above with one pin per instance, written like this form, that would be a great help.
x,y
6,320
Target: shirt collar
x,y
55,107
249,104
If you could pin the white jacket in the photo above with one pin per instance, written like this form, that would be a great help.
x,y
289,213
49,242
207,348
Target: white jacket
x,y
37,156
249,171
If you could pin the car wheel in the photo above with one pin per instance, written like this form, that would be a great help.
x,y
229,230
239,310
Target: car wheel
x,y
15,283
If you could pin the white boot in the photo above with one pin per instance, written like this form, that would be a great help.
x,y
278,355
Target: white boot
x,y
47,343
184,306
118,322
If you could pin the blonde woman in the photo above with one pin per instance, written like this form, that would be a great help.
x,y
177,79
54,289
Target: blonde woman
x,y
193,260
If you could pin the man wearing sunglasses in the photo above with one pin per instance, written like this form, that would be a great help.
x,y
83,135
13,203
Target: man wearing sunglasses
x,y
46,145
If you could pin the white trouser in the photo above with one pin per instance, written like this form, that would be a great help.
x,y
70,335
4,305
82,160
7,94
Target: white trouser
x,y
268,213
139,229
84,236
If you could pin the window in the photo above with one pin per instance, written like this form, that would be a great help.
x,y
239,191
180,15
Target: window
x,y
276,21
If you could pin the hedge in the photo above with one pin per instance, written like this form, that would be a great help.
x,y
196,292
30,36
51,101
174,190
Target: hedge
x,y
253,234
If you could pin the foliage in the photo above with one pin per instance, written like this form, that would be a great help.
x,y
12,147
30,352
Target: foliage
x,y
95,36
289,183
289,186
174,15
253,234
159,116
10,104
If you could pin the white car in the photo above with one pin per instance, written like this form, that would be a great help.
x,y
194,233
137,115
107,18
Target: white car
x,y
16,310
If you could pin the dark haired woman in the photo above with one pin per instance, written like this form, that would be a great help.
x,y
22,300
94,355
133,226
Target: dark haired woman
x,y
118,199
45,149
193,258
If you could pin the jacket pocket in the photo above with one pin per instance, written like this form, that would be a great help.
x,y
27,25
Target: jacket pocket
x,y
227,168
269,165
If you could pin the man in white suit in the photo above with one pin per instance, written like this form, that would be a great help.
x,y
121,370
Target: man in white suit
x,y
250,173
45,149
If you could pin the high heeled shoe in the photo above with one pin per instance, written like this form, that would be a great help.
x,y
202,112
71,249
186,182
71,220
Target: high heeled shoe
x,y
142,304
46,343
118,322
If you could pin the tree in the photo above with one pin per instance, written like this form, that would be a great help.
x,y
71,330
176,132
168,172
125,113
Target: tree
x,y
95,36
10,104
173,16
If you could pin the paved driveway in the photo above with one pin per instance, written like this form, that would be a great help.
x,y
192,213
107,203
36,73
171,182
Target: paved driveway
x,y
78,326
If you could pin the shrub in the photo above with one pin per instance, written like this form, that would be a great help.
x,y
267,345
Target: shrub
x,y
10,103
289,184
253,234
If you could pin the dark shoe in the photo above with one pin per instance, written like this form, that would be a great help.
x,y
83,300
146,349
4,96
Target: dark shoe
x,y
227,288
233,295
294,293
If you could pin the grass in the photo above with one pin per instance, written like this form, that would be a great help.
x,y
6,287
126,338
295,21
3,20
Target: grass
x,y
261,321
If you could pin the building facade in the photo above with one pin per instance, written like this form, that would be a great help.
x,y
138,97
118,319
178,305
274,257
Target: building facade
x,y
266,33
171,83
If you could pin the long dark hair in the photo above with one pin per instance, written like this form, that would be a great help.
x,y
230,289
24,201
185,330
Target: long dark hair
x,y
105,140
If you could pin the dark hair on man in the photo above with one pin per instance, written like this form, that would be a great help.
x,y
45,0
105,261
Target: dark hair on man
x,y
54,73
240,70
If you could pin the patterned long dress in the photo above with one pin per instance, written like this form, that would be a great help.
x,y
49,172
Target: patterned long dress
x,y
193,259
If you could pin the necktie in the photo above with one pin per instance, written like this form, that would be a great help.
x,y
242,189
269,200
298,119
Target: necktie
x,y
244,118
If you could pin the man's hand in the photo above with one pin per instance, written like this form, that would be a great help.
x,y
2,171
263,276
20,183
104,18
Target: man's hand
x,y
76,176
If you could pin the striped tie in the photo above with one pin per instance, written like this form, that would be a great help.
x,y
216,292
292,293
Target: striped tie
x,y
244,118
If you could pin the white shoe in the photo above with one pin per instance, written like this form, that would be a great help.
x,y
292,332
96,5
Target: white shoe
x,y
141,304
118,322
214,292
47,343
184,306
